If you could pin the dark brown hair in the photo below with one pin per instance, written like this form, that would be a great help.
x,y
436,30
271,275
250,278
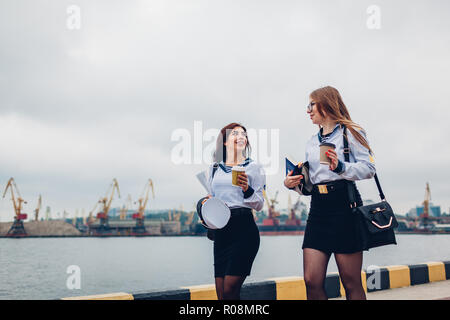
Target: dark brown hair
x,y
221,151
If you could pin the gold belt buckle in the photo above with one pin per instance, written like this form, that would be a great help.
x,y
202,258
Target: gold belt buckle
x,y
323,188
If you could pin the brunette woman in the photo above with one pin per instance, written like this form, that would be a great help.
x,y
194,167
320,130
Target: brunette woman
x,y
236,245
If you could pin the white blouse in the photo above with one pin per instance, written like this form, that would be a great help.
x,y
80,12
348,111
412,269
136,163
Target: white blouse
x,y
361,165
221,187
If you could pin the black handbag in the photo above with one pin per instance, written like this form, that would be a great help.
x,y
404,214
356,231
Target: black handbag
x,y
375,222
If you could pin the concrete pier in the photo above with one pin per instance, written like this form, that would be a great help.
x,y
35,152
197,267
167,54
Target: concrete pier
x,y
427,281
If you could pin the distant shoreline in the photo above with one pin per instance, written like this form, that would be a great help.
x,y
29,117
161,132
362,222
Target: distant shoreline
x,y
262,233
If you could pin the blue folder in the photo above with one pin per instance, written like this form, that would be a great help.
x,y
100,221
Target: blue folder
x,y
290,166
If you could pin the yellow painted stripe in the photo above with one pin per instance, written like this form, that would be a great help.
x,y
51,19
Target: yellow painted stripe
x,y
364,280
107,296
202,292
399,276
436,271
290,288
341,286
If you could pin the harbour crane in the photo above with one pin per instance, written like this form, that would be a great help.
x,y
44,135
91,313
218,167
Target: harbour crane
x,y
106,203
17,228
177,214
272,214
38,208
292,219
126,206
189,219
91,217
425,216
271,204
140,215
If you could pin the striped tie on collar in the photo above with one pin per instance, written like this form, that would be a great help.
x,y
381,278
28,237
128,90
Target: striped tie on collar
x,y
323,138
227,169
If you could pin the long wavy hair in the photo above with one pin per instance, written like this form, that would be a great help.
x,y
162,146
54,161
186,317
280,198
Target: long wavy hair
x,y
220,153
328,100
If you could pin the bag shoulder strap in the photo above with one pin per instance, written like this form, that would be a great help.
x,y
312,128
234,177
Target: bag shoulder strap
x,y
347,159
215,166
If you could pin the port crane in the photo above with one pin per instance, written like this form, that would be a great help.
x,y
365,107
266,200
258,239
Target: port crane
x,y
425,216
190,218
17,229
272,214
175,216
90,219
140,215
293,220
106,203
38,208
126,206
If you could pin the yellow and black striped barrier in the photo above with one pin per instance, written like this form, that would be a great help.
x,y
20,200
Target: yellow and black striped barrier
x,y
294,288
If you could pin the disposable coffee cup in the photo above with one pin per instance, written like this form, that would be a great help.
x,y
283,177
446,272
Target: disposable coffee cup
x,y
324,147
235,172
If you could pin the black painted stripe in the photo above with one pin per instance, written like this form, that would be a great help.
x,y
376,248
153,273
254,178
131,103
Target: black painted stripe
x,y
447,269
264,290
418,274
176,294
332,286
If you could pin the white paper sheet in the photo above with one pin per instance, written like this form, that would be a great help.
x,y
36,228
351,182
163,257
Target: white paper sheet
x,y
203,178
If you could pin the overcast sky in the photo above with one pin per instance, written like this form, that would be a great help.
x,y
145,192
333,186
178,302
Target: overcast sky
x,y
79,107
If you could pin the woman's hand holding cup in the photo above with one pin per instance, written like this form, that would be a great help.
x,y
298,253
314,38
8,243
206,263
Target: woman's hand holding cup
x,y
242,181
332,155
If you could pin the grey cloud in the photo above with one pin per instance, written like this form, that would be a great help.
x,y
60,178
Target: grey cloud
x,y
138,70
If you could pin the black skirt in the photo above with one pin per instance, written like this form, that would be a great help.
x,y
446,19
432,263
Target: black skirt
x,y
236,245
332,227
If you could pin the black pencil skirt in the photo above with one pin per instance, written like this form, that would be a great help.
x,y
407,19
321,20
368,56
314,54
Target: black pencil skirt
x,y
236,245
332,227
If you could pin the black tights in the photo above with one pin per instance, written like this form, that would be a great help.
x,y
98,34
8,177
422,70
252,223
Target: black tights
x,y
315,264
229,287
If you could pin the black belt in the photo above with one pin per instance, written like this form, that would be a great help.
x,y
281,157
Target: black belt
x,y
240,211
324,188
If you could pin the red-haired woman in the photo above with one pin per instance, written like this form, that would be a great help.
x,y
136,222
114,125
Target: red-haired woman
x,y
331,226
236,245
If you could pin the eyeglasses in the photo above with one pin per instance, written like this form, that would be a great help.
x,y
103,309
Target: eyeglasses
x,y
310,106
236,133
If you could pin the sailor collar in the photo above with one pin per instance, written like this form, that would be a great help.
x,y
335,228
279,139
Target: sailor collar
x,y
227,169
323,137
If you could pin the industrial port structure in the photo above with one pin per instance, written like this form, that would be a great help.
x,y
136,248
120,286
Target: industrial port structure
x,y
139,222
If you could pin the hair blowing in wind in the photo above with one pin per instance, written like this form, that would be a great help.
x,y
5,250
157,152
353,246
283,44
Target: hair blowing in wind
x,y
329,101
